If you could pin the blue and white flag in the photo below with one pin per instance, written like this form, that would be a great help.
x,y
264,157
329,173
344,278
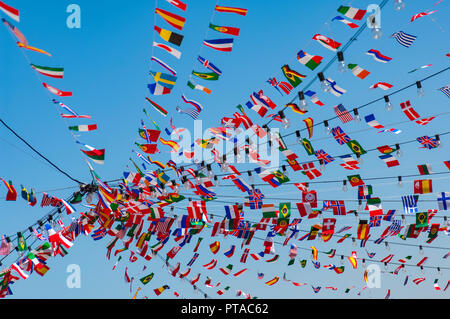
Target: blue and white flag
x,y
403,38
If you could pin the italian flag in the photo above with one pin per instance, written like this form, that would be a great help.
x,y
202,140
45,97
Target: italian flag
x,y
10,11
83,128
352,13
57,73
358,71
56,91
97,156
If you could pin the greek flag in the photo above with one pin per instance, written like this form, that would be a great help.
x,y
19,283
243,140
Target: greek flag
x,y
403,38
190,111
410,204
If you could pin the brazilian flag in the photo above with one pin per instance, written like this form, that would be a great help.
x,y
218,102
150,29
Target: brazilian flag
x,y
280,176
21,243
356,147
145,280
292,76
285,210
211,76
174,198
421,220
308,147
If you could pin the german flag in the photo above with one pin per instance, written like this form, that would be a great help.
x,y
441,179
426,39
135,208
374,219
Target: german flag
x,y
241,11
214,247
146,279
160,290
292,76
174,20
169,36
294,107
363,229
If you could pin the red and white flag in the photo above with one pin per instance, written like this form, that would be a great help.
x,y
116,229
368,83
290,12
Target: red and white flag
x,y
168,49
10,11
409,111
180,5
56,91
382,85
421,14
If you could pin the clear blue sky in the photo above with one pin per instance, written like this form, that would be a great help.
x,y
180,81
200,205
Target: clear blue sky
x,y
106,66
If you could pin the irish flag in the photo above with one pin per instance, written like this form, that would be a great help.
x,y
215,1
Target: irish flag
x,y
57,73
358,71
56,91
10,11
352,13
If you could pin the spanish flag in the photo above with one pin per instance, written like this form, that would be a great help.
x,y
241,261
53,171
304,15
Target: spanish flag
x,y
353,261
314,252
29,47
172,144
309,125
240,11
272,281
174,20
214,247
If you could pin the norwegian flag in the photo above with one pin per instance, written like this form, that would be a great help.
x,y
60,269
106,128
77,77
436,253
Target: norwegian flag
x,y
338,207
280,86
409,111
427,142
340,136
425,121
310,170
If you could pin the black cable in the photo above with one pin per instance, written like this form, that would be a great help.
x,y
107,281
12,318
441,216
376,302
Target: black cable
x,y
38,153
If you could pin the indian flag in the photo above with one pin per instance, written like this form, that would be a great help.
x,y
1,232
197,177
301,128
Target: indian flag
x,y
352,13
198,87
310,61
358,71
269,210
83,128
57,73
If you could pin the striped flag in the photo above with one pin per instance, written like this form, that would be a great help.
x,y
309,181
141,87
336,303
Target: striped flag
x,y
83,128
174,20
195,104
56,73
445,90
310,61
420,15
240,11
358,71
224,45
196,86
378,56
382,85
345,21
157,107
56,91
177,3
403,38
10,11
191,112
342,113
352,13
164,65
169,36
313,96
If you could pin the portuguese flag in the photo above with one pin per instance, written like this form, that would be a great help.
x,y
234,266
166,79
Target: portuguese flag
x,y
57,73
355,180
226,30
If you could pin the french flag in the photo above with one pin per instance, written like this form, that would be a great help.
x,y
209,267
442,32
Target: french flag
x,y
224,45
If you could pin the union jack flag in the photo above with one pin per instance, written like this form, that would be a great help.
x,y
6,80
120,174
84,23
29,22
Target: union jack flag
x,y
322,155
340,136
375,221
427,142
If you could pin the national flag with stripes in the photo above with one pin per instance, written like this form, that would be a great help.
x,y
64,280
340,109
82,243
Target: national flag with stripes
x,y
410,204
345,21
224,45
343,114
404,38
313,96
378,56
